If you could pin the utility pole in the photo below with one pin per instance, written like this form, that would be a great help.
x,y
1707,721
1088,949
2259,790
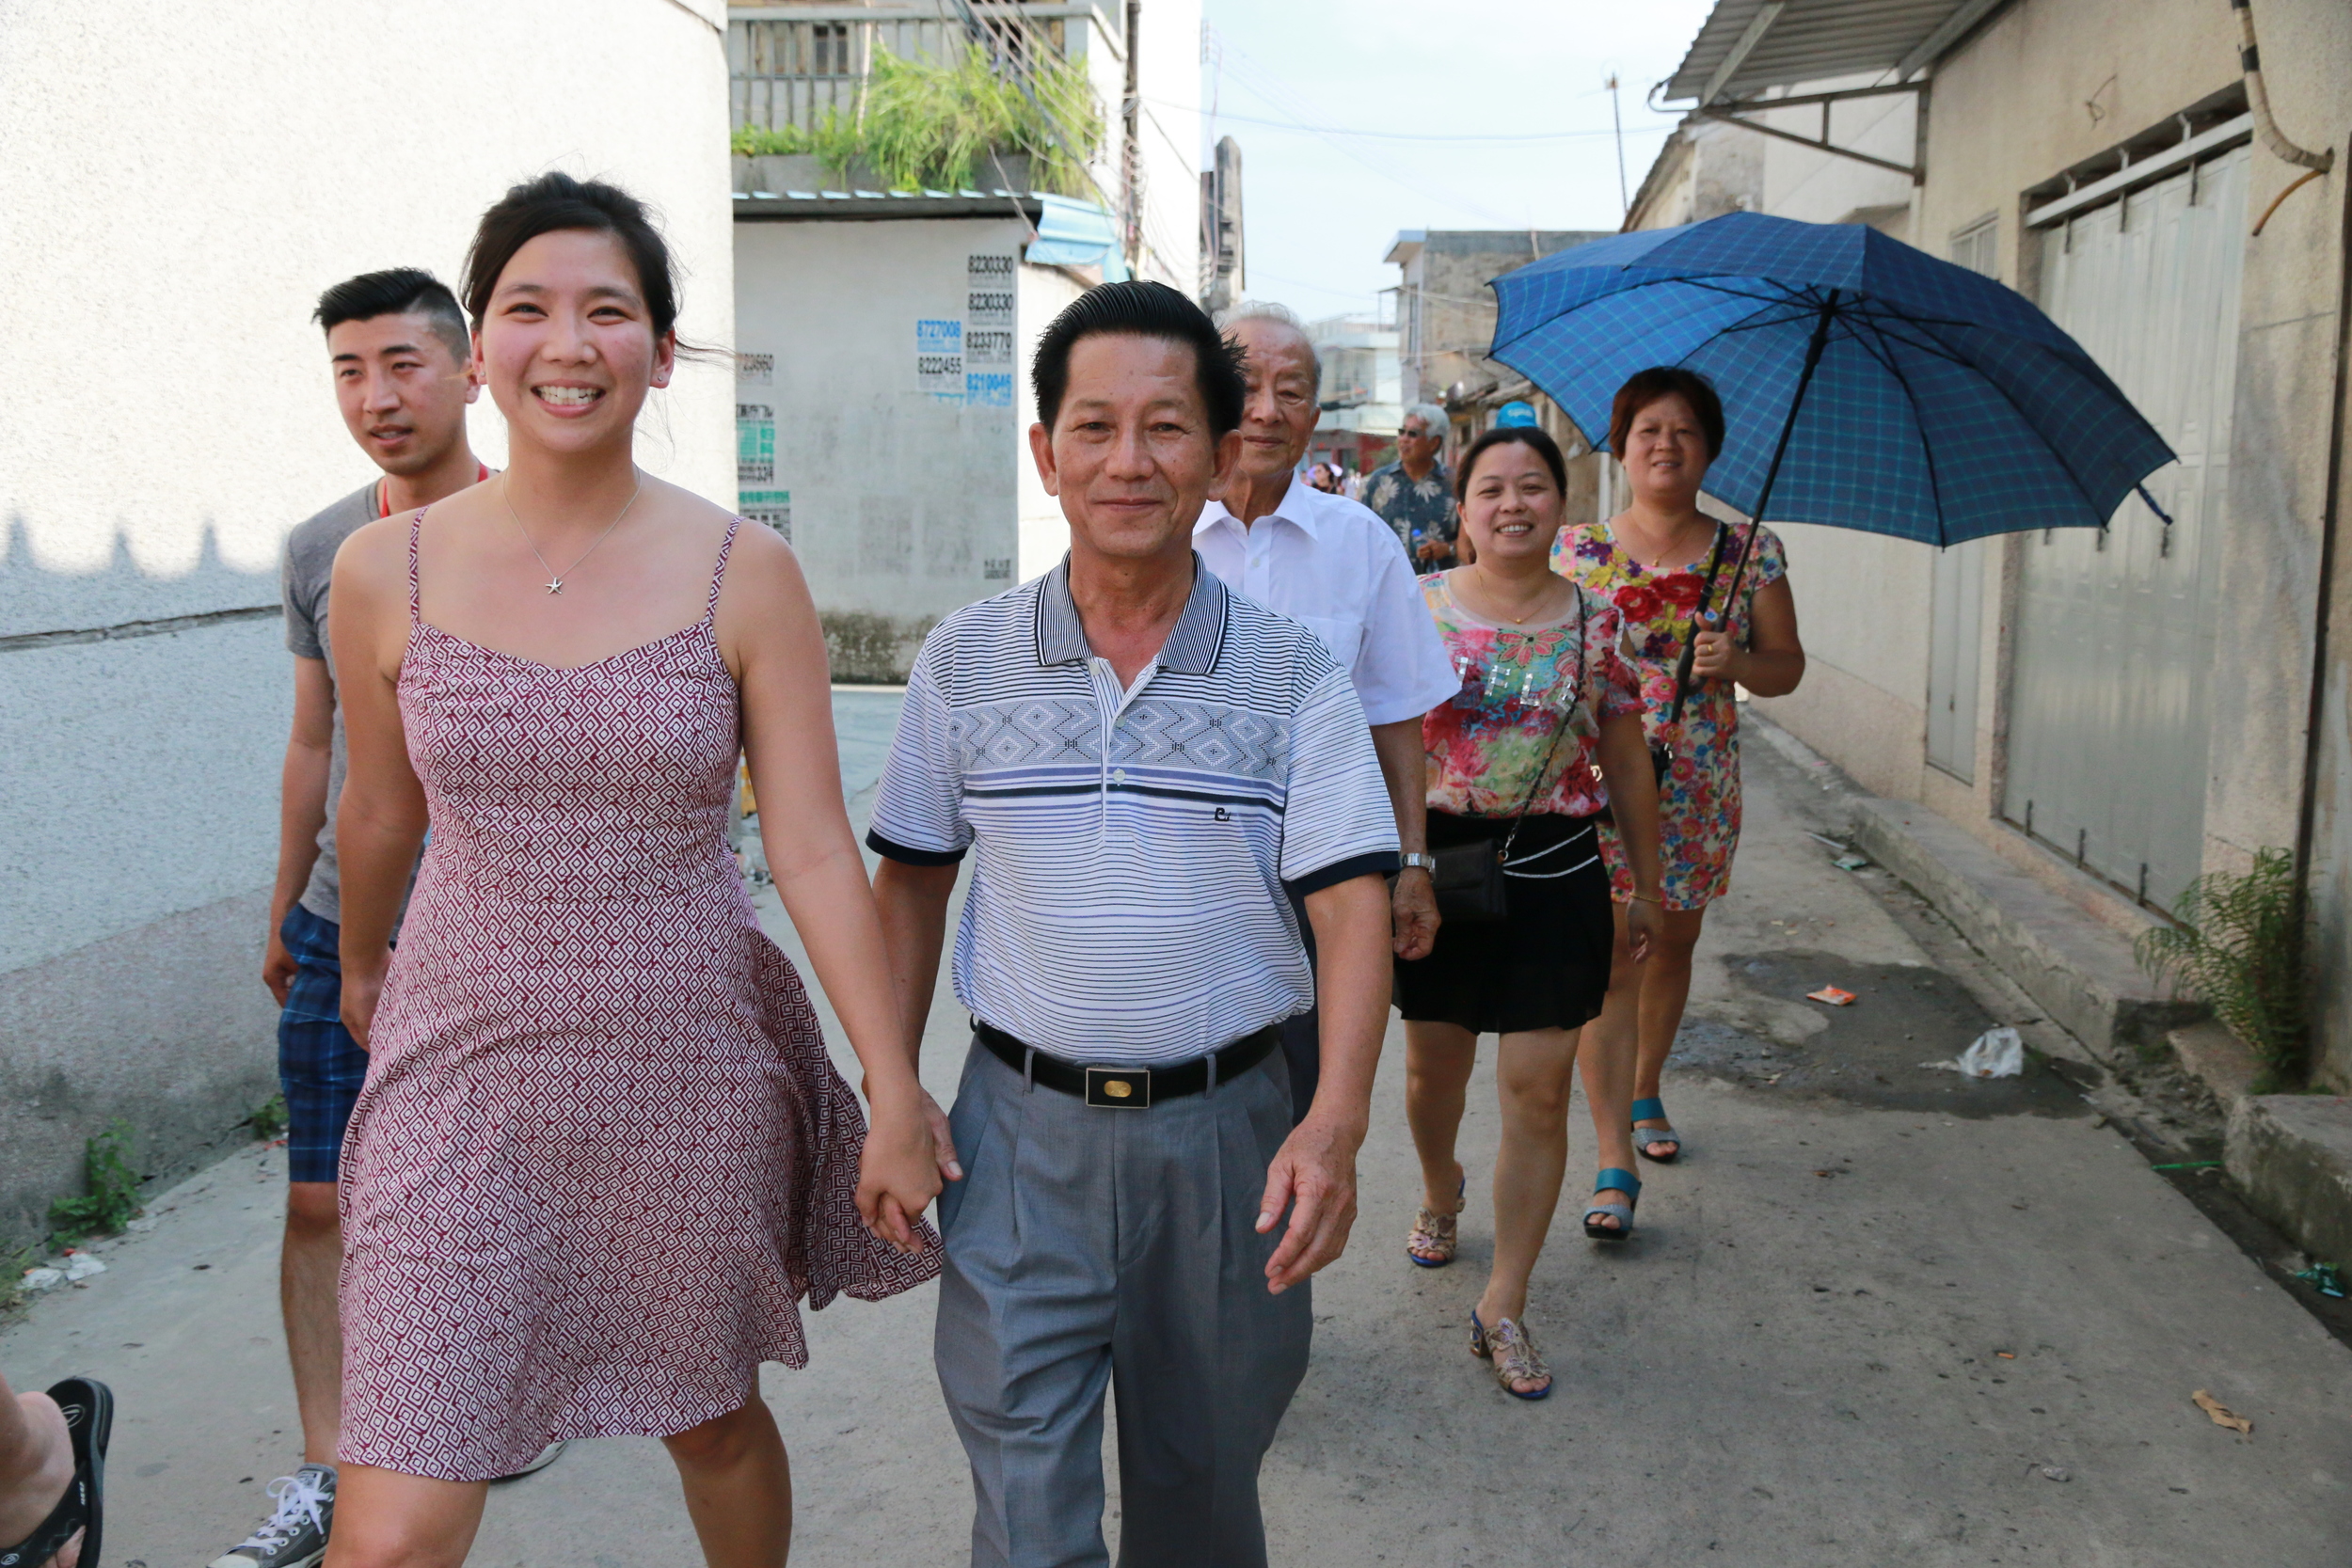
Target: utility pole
x,y
1625,194
1131,154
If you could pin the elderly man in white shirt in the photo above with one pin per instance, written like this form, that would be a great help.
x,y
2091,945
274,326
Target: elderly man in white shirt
x,y
1330,563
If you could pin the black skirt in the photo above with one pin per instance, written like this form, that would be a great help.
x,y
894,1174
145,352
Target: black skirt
x,y
1545,965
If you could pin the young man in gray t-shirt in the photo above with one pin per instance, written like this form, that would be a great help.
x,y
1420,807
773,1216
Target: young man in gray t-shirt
x,y
404,372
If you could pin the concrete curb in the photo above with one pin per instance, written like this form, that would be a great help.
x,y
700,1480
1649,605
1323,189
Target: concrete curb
x,y
2291,1155
2081,972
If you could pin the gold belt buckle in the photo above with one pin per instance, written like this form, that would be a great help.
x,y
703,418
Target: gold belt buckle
x,y
1113,1088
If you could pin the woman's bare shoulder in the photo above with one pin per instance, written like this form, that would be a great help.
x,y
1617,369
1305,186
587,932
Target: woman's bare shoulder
x,y
374,554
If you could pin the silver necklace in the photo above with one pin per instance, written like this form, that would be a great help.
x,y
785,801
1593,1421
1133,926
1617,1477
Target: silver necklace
x,y
555,579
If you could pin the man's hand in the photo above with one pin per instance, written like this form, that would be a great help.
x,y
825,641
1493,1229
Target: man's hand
x,y
943,1141
1313,1175
1413,913
278,966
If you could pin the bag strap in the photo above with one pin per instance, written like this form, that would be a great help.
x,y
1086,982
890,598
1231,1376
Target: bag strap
x,y
1576,693
1705,605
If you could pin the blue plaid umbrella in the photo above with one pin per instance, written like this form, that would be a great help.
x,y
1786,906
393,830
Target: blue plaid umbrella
x,y
1866,384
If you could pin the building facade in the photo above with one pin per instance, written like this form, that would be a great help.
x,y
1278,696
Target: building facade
x,y
185,420
2114,711
884,403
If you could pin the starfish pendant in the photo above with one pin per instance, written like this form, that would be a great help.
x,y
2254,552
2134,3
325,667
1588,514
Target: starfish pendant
x,y
555,585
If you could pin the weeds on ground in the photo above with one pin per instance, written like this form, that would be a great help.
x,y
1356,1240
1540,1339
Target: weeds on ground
x,y
923,124
113,1198
269,1119
2237,946
12,1266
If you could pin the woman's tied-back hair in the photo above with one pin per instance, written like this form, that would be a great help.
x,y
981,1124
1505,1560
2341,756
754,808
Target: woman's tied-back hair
x,y
1136,308
1644,387
555,202
1525,436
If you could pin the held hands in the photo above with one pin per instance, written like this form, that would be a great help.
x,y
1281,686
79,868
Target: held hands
x,y
1313,1175
1717,658
901,1170
1413,913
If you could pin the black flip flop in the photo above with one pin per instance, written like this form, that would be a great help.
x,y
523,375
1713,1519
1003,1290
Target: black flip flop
x,y
89,1419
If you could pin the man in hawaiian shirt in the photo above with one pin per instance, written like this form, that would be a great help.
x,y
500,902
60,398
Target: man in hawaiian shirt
x,y
1414,495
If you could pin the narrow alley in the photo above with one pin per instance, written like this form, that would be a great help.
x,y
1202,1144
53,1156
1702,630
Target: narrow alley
x,y
1878,1314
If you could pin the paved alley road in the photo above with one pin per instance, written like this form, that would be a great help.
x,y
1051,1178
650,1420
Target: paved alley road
x,y
1878,1316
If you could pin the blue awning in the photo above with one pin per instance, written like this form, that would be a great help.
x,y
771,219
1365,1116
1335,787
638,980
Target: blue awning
x,y
1076,234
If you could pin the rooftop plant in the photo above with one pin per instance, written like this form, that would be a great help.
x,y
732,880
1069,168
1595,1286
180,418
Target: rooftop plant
x,y
932,125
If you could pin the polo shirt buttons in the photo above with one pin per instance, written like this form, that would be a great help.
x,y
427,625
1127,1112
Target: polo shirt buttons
x,y
1119,775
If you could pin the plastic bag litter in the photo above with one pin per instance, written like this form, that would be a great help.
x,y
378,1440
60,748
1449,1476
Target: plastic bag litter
x,y
1997,1053
43,1279
81,1265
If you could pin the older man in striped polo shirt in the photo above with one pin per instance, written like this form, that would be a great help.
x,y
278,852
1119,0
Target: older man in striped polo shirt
x,y
1142,762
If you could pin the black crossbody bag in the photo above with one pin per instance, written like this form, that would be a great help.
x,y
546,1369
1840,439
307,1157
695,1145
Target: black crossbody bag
x,y
1662,756
1469,877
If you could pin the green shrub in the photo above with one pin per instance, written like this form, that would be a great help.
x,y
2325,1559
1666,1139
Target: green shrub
x,y
923,125
113,1198
2237,946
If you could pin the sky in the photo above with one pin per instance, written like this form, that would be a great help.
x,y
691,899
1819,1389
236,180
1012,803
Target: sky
x,y
1414,106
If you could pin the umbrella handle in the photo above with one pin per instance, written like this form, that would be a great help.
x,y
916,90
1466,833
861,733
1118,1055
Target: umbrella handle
x,y
1771,475
1691,649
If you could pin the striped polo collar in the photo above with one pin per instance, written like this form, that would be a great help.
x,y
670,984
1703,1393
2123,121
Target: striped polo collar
x,y
1191,648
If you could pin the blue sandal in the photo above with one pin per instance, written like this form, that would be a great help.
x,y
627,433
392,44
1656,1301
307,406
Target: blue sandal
x,y
1620,1180
1653,1109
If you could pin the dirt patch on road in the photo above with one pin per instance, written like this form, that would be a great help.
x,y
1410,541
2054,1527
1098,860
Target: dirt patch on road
x,y
1874,1052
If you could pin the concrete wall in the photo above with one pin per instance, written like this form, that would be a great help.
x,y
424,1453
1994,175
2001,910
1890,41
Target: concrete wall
x,y
1044,532
905,494
181,188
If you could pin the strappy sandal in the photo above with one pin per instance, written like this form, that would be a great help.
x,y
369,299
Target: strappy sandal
x,y
89,1419
1514,1354
1620,1180
1434,1233
1653,1109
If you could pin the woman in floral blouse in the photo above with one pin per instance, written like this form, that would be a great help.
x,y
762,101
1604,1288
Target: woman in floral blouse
x,y
1663,563
1544,736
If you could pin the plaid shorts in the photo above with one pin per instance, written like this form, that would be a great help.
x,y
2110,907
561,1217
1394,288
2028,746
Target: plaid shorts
x,y
319,1065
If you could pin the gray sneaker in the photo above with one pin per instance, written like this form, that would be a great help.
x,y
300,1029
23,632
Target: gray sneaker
x,y
296,1535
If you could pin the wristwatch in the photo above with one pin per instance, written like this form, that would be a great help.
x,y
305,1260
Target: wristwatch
x,y
1412,858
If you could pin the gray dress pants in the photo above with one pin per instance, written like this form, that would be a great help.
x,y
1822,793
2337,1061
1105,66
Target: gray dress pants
x,y
1090,1247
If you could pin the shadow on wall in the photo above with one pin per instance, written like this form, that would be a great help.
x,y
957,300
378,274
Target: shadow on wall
x,y
867,649
41,605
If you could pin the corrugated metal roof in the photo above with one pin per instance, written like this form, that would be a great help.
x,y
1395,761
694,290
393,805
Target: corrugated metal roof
x,y
1773,43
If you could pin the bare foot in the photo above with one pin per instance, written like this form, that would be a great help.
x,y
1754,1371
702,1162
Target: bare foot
x,y
27,1503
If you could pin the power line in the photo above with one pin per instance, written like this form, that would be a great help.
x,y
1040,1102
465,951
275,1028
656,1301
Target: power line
x,y
1245,69
1416,136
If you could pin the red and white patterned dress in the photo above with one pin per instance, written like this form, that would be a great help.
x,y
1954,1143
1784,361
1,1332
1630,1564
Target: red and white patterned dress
x,y
602,1154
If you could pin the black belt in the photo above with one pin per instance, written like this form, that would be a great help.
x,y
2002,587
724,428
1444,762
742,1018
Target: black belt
x,y
1129,1089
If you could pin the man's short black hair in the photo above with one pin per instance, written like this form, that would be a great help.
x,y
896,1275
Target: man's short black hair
x,y
1139,309
397,292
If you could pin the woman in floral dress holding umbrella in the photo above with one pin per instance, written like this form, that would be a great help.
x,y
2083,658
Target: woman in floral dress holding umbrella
x,y
1664,564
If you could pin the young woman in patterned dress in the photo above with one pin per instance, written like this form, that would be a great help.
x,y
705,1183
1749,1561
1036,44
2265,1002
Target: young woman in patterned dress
x,y
1546,723
1652,562
602,1154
